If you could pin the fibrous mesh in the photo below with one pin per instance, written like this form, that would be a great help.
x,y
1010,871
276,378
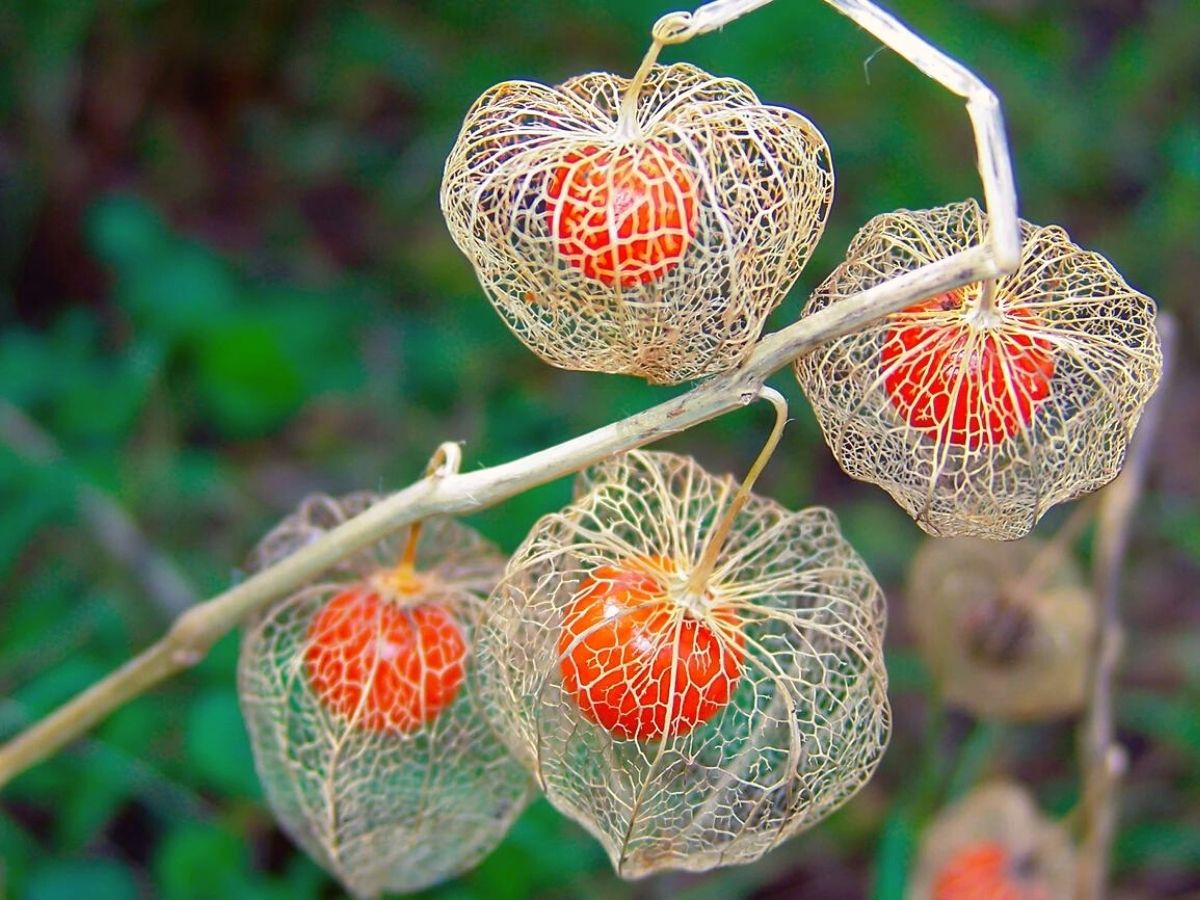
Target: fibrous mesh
x,y
975,426
1006,630
801,715
383,801
656,253
1038,856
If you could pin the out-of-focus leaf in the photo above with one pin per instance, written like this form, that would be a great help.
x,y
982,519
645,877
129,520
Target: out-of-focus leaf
x,y
543,851
894,857
179,291
126,231
32,496
1170,720
217,748
201,861
97,879
248,382
1158,844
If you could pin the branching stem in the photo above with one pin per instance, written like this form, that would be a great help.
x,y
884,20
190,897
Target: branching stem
x,y
194,632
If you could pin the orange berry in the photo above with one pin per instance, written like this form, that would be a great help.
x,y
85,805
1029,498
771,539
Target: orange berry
x,y
984,871
384,666
960,383
640,665
623,215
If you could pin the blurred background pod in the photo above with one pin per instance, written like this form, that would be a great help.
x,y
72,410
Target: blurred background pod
x,y
1006,629
360,696
654,245
686,728
977,421
994,843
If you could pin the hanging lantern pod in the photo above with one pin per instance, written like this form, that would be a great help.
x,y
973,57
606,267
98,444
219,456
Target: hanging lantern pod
x,y
994,843
360,696
645,227
978,413
1006,630
686,723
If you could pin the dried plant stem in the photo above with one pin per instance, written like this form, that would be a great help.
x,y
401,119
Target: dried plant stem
x,y
1102,760
708,561
194,632
114,529
983,108
627,119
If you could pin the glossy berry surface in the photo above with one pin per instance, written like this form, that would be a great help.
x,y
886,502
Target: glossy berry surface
x,y
961,383
383,665
985,871
639,664
622,215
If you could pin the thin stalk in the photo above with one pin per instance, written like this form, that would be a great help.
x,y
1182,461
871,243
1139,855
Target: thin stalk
x,y
1101,758
408,558
716,540
446,460
627,127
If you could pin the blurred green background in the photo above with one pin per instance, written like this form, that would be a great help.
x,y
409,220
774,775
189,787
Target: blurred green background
x,y
225,284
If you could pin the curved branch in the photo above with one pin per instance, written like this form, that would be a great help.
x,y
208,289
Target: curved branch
x,y
983,108
195,631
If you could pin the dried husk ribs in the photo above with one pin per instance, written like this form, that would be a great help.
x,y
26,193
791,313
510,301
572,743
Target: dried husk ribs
x,y
994,843
386,797
977,425
1007,630
654,247
735,716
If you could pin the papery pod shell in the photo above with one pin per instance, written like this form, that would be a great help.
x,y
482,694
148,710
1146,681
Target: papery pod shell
x,y
381,810
761,184
1003,640
807,723
1039,855
1098,334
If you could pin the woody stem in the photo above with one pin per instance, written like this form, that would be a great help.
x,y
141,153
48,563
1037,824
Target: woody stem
x,y
1101,758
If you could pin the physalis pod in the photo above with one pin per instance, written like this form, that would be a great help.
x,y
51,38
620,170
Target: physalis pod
x,y
652,239
994,843
977,417
1006,629
686,725
361,698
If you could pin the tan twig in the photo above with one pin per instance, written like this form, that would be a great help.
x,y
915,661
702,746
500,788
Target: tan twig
x,y
1102,759
983,106
716,541
194,632
114,529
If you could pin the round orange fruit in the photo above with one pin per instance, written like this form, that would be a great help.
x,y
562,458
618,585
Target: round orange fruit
x,y
623,215
641,665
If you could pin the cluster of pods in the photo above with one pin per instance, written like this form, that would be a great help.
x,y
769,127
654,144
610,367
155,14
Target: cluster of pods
x,y
691,680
